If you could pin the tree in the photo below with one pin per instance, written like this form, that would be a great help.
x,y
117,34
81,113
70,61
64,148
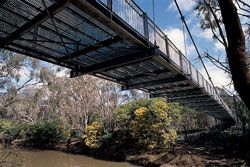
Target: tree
x,y
223,18
80,101
16,74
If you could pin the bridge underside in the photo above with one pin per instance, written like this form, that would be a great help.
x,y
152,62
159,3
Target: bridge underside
x,y
90,37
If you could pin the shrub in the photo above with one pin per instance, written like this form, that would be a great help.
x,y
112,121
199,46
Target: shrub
x,y
76,133
9,128
149,122
24,130
47,133
93,138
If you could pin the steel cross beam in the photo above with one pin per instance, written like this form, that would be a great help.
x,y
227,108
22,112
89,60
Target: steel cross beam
x,y
209,109
187,97
138,76
118,62
200,99
205,101
172,89
91,48
36,54
179,93
175,85
120,26
2,2
173,79
200,105
41,17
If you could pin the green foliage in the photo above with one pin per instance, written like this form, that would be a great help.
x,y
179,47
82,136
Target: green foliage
x,y
149,122
9,128
93,138
48,132
76,133
5,125
24,130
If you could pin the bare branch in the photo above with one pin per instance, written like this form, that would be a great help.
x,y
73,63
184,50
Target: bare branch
x,y
243,9
217,62
244,15
218,24
244,3
215,35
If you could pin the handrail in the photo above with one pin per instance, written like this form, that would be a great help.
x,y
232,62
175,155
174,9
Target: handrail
x,y
178,61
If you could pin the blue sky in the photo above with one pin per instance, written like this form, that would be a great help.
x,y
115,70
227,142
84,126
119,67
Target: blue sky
x,y
168,19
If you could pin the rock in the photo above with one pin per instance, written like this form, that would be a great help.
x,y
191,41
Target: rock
x,y
18,142
74,141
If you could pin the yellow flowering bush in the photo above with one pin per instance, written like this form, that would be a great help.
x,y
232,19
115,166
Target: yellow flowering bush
x,y
65,131
149,122
94,135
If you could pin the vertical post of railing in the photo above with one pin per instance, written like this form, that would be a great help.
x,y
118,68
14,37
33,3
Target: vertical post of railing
x,y
190,69
167,46
197,77
203,84
110,4
181,65
145,25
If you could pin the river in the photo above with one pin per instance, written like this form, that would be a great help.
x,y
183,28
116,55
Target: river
x,y
39,158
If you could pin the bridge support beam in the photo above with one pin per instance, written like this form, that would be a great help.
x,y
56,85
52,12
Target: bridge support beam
x,y
104,15
198,99
179,93
41,17
2,2
173,79
203,102
172,86
202,105
91,48
35,54
138,76
119,62
188,97
174,89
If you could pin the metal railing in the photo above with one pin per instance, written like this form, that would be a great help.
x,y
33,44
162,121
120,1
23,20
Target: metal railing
x,y
135,17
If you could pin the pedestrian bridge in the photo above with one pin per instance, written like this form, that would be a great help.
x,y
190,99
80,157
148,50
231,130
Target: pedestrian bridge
x,y
111,39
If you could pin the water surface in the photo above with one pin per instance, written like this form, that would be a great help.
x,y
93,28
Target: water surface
x,y
38,158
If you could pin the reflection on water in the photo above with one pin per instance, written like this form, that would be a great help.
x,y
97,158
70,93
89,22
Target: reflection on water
x,y
28,158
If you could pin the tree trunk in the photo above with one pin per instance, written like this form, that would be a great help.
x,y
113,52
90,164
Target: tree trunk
x,y
236,50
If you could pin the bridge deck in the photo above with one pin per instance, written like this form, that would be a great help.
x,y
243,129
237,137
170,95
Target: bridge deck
x,y
112,39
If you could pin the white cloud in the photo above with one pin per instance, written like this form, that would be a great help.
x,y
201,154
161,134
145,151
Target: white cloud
x,y
200,33
185,5
219,46
219,77
177,37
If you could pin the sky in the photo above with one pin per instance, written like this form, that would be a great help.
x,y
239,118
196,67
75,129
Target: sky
x,y
168,19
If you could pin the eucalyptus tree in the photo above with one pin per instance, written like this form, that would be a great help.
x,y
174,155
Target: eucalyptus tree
x,y
228,20
16,74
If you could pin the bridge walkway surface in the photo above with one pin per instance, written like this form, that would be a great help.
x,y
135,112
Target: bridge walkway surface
x,y
111,39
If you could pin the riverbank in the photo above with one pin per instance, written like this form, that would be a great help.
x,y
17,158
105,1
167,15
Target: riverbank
x,y
183,155
221,149
226,147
